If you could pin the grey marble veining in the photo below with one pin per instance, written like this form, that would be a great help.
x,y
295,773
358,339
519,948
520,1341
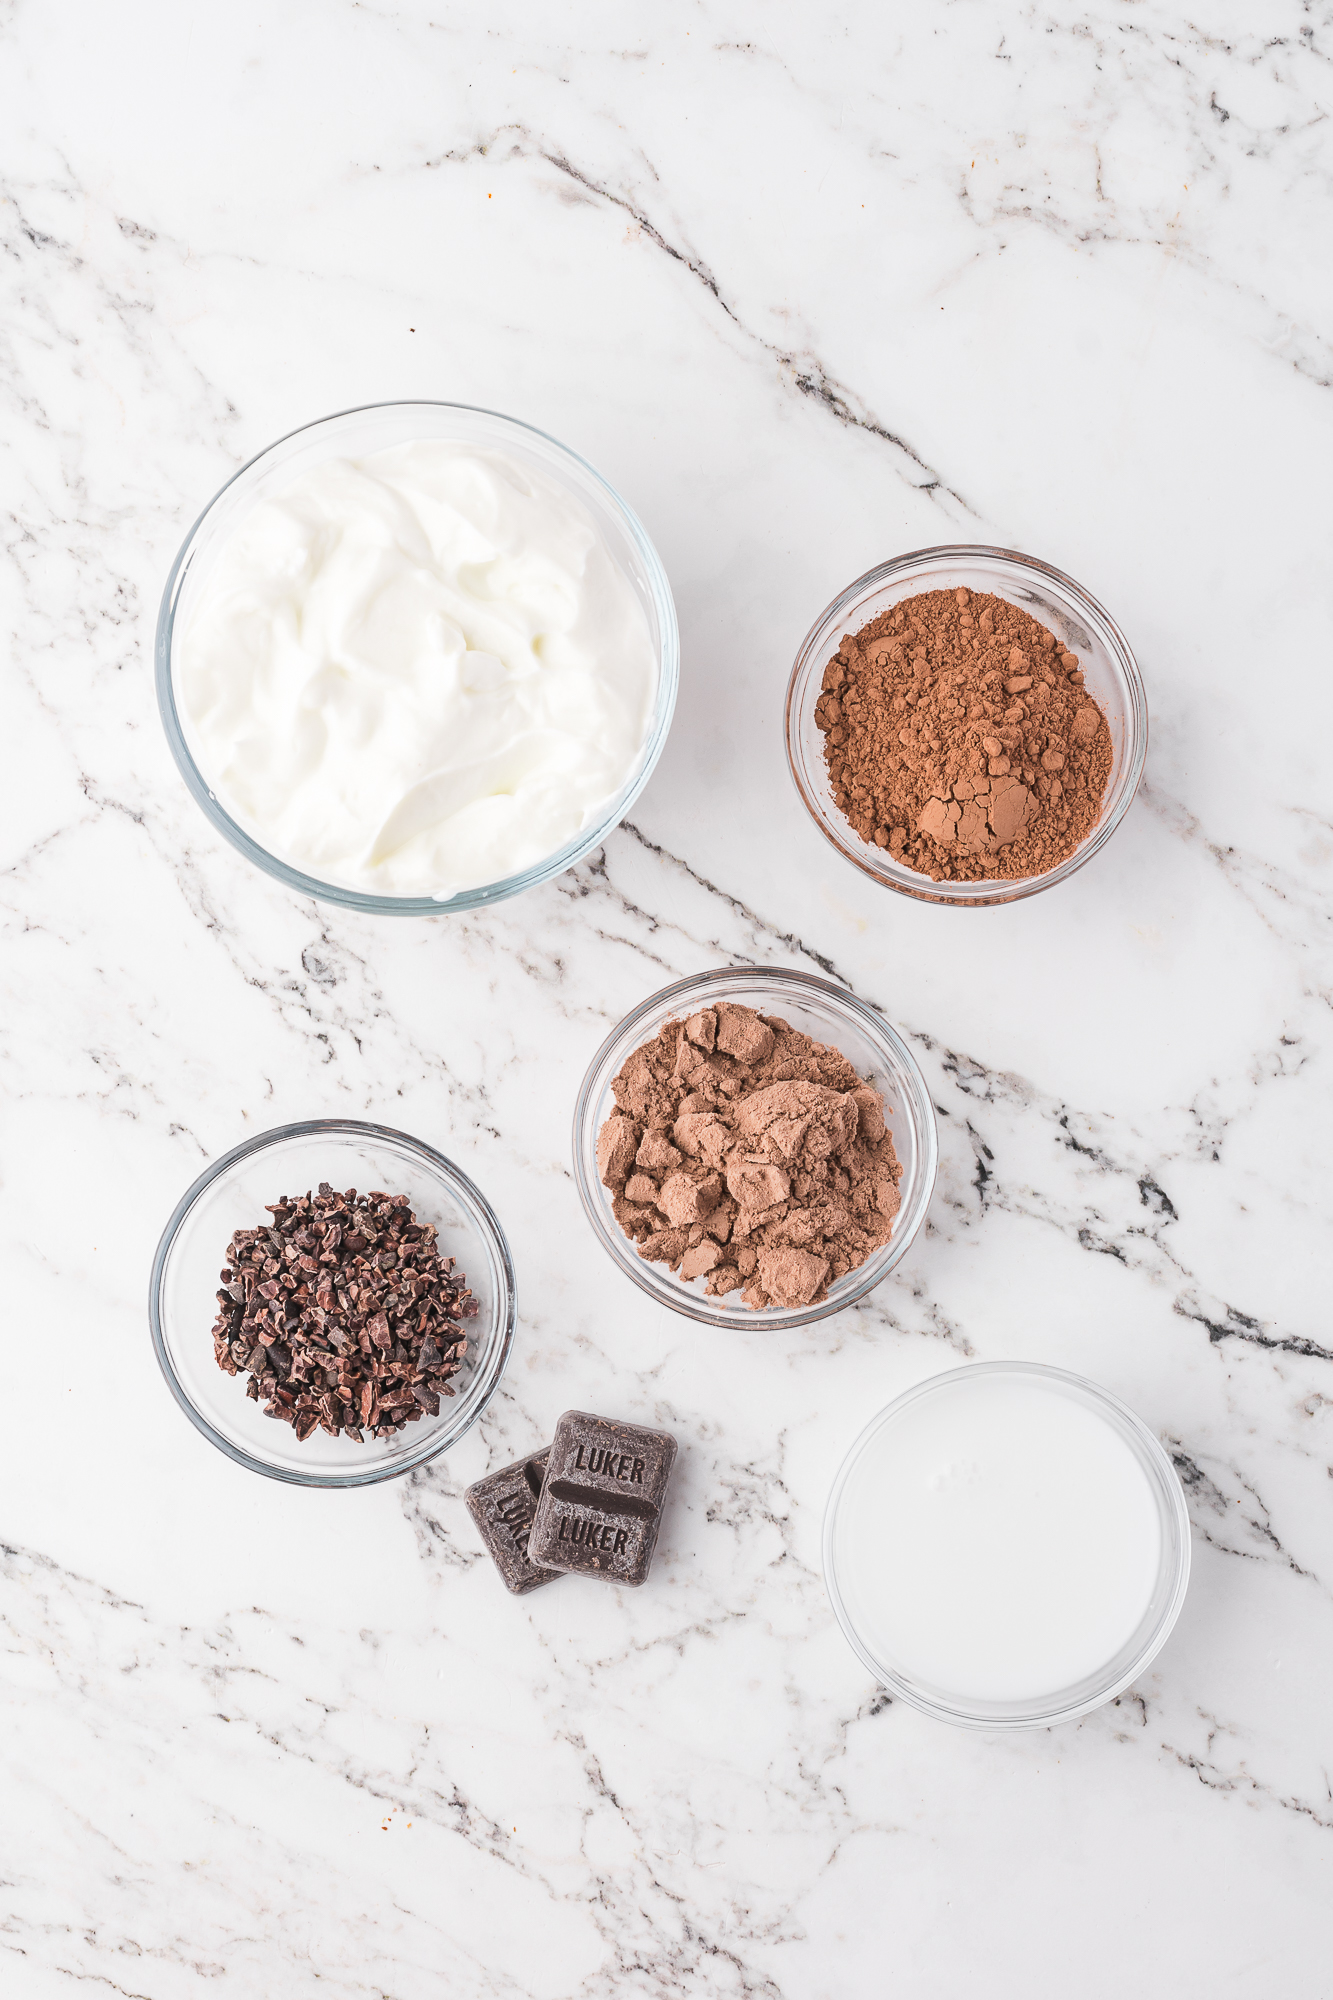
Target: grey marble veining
x,y
810,289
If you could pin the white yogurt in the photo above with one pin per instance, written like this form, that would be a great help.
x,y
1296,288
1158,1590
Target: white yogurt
x,y
997,1539
417,672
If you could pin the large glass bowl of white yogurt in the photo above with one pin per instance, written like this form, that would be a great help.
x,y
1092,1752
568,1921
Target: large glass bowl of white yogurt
x,y
416,657
1006,1546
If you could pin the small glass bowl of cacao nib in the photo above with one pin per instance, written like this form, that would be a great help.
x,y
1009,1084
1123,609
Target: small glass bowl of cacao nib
x,y
332,1303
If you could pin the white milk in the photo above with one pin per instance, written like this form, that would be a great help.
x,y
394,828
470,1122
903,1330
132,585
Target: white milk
x,y
996,1539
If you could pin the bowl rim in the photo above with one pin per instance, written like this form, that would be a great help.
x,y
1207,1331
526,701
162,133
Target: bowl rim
x,y
447,1170
865,1277
568,856
1176,1558
994,890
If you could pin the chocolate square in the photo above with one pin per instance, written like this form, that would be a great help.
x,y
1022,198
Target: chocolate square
x,y
601,1506
502,1505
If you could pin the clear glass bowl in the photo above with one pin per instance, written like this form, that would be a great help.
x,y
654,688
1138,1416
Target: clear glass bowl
x,y
353,433
1143,1644
830,1015
232,1194
1064,607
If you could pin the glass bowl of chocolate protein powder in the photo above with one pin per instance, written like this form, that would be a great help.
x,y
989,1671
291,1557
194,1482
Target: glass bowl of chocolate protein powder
x,y
755,1147
967,725
332,1303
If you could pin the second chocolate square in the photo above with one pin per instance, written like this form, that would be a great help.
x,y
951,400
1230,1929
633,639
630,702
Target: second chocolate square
x,y
601,1506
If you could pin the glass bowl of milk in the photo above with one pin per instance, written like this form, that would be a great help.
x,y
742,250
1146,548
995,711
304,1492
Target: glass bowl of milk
x,y
233,1193
1006,1546
415,658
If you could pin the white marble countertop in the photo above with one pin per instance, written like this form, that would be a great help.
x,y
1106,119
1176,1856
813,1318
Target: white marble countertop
x,y
812,288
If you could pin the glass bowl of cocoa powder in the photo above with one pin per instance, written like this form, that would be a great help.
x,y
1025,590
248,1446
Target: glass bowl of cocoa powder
x,y
237,1193
966,724
850,1079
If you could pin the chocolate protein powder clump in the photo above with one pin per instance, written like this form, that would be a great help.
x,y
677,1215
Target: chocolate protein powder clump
x,y
745,1153
959,735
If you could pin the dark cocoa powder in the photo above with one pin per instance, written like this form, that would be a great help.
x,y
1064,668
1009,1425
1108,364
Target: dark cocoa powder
x,y
747,1154
958,734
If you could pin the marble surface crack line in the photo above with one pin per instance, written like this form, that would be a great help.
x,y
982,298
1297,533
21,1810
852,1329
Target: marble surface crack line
x,y
1241,1326
1240,1782
788,940
1204,1491
807,374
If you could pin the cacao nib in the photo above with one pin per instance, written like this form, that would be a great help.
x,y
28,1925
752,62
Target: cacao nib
x,y
361,1339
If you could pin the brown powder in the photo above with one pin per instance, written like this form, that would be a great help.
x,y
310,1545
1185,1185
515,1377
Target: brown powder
x,y
959,735
745,1153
